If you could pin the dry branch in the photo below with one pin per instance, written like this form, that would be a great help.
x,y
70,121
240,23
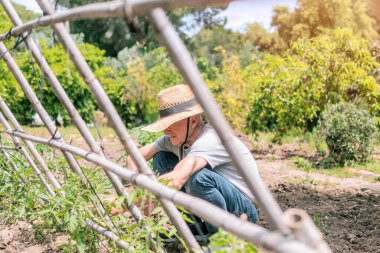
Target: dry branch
x,y
8,147
106,10
48,122
70,108
13,165
303,229
105,103
99,229
27,157
7,113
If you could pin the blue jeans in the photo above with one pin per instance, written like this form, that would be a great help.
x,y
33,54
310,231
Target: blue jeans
x,y
210,186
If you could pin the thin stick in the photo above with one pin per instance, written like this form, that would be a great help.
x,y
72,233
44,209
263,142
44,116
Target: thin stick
x,y
203,209
105,10
99,229
8,147
48,123
105,103
187,67
70,108
27,157
304,229
14,166
4,108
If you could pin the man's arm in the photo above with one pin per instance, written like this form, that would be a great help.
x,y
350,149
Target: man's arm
x,y
147,151
183,171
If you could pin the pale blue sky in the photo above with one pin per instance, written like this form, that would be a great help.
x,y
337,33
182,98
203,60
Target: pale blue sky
x,y
239,13
242,12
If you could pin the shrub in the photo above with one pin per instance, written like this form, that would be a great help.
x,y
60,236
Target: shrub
x,y
349,132
290,91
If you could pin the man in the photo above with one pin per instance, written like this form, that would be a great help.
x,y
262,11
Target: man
x,y
191,157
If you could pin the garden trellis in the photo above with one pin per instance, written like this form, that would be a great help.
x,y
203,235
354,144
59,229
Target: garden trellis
x,y
294,230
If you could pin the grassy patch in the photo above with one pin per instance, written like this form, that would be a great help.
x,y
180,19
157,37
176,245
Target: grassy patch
x,y
308,181
341,172
372,166
72,132
318,221
307,166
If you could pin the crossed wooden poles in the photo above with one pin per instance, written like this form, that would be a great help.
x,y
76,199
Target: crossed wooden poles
x,y
295,232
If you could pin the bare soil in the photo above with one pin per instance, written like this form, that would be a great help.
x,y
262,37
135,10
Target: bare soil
x,y
347,211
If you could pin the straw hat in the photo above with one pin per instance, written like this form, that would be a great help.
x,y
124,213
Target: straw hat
x,y
174,103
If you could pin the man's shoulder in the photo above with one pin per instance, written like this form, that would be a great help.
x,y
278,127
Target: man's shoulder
x,y
208,133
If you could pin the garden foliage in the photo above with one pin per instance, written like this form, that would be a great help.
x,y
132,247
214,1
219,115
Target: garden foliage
x,y
257,91
349,132
292,90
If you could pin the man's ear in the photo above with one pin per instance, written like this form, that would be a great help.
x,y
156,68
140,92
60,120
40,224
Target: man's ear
x,y
193,121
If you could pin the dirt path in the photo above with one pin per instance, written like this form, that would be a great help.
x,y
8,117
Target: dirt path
x,y
20,238
347,211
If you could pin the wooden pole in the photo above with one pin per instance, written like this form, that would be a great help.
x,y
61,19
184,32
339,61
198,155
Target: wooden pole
x,y
193,77
105,103
53,130
106,10
216,216
8,147
26,156
13,165
70,108
48,123
302,226
99,229
4,108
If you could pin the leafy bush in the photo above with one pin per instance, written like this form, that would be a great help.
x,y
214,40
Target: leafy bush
x,y
292,90
133,90
350,133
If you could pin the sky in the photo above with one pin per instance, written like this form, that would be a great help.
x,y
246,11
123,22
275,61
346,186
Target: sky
x,y
242,12
239,13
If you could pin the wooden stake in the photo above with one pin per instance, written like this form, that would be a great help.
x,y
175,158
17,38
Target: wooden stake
x,y
70,108
99,229
105,10
203,209
14,166
27,157
105,103
53,181
193,77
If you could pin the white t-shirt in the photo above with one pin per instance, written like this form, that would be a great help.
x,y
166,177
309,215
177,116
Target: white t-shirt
x,y
210,148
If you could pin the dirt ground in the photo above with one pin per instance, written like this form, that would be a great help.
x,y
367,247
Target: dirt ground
x,y
347,211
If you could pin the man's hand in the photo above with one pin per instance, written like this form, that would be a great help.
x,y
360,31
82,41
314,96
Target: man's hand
x,y
175,178
183,171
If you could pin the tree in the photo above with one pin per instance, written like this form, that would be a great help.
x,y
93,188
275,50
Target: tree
x,y
113,34
307,20
263,39
292,90
204,44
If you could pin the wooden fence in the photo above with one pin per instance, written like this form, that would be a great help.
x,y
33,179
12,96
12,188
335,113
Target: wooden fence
x,y
294,230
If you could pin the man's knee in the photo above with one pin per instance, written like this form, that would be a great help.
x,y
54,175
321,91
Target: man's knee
x,y
199,180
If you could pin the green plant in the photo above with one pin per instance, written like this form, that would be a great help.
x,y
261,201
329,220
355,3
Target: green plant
x,y
290,91
302,163
349,132
225,242
318,221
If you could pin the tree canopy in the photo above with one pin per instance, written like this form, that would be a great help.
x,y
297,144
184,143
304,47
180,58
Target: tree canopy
x,y
114,34
311,16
